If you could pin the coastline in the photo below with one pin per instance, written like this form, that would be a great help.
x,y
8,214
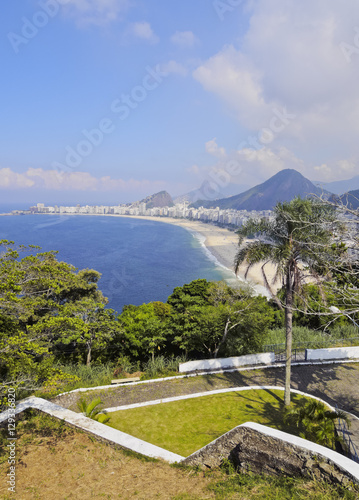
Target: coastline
x,y
220,242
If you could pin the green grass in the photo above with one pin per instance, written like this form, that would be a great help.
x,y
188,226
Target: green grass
x,y
317,338
248,486
185,426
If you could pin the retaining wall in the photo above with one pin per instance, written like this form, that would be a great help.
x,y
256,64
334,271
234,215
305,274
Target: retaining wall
x,y
265,358
260,449
332,353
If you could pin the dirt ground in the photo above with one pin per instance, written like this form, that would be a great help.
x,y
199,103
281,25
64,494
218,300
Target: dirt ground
x,y
77,466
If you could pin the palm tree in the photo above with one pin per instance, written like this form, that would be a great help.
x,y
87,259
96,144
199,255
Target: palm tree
x,y
315,421
294,240
93,411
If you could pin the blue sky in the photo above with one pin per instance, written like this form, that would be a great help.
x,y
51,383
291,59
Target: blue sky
x,y
107,101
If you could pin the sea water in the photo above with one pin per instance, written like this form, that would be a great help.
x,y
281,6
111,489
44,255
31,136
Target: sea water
x,y
140,260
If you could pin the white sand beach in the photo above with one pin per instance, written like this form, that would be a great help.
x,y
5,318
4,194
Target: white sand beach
x,y
223,244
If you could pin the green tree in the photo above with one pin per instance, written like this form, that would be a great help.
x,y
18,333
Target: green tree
x,y
37,285
84,324
143,330
195,293
222,321
296,241
245,319
36,288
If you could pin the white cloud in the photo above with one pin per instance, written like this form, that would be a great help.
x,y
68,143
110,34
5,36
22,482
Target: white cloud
x,y
250,166
291,58
173,67
184,39
9,179
143,31
332,171
213,149
231,76
38,178
97,12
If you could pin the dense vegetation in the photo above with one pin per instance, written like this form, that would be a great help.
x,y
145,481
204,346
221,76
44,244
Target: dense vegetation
x,y
56,331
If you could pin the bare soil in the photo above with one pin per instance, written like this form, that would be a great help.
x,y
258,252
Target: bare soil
x,y
76,466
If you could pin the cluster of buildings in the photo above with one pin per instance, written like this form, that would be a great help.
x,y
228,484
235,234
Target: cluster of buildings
x,y
180,211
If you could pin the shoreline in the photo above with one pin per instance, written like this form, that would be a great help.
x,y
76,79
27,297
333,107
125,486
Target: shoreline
x,y
221,243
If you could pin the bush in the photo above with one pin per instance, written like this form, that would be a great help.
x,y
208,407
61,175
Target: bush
x,y
344,331
57,383
125,365
161,366
316,338
92,410
300,334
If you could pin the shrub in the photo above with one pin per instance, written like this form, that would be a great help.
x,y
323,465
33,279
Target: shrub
x,y
92,410
161,366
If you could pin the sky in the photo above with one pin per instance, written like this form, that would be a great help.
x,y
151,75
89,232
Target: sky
x,y
107,101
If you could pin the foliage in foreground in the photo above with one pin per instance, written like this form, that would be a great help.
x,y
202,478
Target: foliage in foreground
x,y
92,410
315,422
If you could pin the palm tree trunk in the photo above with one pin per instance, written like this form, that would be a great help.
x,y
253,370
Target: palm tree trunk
x,y
288,336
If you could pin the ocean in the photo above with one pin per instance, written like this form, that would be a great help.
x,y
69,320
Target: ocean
x,y
140,260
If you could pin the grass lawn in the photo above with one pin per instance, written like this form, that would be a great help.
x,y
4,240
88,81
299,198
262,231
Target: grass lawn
x,y
185,426
58,462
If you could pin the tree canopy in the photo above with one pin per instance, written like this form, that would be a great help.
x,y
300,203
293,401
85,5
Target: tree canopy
x,y
297,240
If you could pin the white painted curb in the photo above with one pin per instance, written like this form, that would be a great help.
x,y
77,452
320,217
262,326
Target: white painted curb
x,y
94,427
211,393
147,449
201,374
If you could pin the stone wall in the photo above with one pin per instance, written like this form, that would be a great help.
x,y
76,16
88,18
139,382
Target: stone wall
x,y
252,450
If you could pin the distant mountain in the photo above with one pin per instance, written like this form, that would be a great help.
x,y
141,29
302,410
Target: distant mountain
x,y
161,199
350,199
340,187
207,189
283,186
